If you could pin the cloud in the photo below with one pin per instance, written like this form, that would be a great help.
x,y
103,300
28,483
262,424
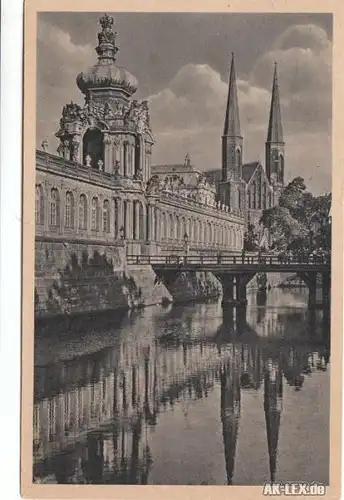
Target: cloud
x,y
58,62
187,116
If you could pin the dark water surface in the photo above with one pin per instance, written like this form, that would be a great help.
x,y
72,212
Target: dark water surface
x,y
184,395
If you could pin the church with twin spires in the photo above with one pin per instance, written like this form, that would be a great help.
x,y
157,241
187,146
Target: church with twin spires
x,y
250,186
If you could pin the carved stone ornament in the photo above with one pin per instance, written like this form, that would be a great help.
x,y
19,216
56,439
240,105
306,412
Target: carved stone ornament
x,y
106,35
107,140
100,165
153,185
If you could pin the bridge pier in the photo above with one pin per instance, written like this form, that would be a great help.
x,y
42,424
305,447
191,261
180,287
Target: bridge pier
x,y
227,282
326,287
241,290
310,278
234,288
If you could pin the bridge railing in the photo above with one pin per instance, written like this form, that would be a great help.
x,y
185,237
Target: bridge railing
x,y
239,259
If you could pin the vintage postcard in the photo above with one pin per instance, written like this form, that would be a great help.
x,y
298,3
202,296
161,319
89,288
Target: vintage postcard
x,y
182,249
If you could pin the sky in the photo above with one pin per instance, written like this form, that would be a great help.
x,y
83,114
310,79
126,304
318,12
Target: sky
x,y
181,62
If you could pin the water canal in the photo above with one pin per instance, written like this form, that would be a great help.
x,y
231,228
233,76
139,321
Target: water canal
x,y
183,395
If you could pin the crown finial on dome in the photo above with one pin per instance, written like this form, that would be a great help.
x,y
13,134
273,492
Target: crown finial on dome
x,y
106,21
107,48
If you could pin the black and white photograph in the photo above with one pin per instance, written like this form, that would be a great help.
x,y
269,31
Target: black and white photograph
x,y
182,248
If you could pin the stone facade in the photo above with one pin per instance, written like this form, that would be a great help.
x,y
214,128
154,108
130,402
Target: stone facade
x,y
99,199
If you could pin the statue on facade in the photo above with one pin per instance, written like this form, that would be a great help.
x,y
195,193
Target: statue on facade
x,y
60,149
100,164
187,161
88,160
139,174
75,149
44,145
153,185
116,168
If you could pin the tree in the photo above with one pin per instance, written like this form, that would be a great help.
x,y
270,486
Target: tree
x,y
251,239
300,222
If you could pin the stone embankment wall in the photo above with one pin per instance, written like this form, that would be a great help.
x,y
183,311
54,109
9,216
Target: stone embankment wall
x,y
74,278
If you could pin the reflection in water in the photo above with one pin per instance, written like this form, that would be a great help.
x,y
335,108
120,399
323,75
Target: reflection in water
x,y
97,415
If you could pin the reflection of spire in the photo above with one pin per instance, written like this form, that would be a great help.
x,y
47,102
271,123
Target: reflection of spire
x,y
135,449
230,414
273,390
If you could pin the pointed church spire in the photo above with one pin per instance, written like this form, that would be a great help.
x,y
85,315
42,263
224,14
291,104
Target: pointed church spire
x,y
275,131
232,120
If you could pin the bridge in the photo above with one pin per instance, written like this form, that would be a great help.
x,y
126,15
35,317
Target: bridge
x,y
236,270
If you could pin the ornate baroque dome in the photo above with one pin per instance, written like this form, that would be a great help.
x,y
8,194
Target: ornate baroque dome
x,y
106,73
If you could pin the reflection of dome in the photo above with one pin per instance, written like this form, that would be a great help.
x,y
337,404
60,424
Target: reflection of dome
x,y
106,73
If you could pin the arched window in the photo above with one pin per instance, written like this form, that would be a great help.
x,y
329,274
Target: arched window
x,y
259,195
249,198
177,232
210,233
156,222
238,158
39,207
264,195
184,228
82,212
201,232
254,188
93,146
95,214
106,216
280,174
206,232
126,159
141,222
54,207
192,229
69,210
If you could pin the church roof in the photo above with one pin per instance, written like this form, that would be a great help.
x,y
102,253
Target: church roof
x,y
172,168
214,176
248,170
275,131
232,120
